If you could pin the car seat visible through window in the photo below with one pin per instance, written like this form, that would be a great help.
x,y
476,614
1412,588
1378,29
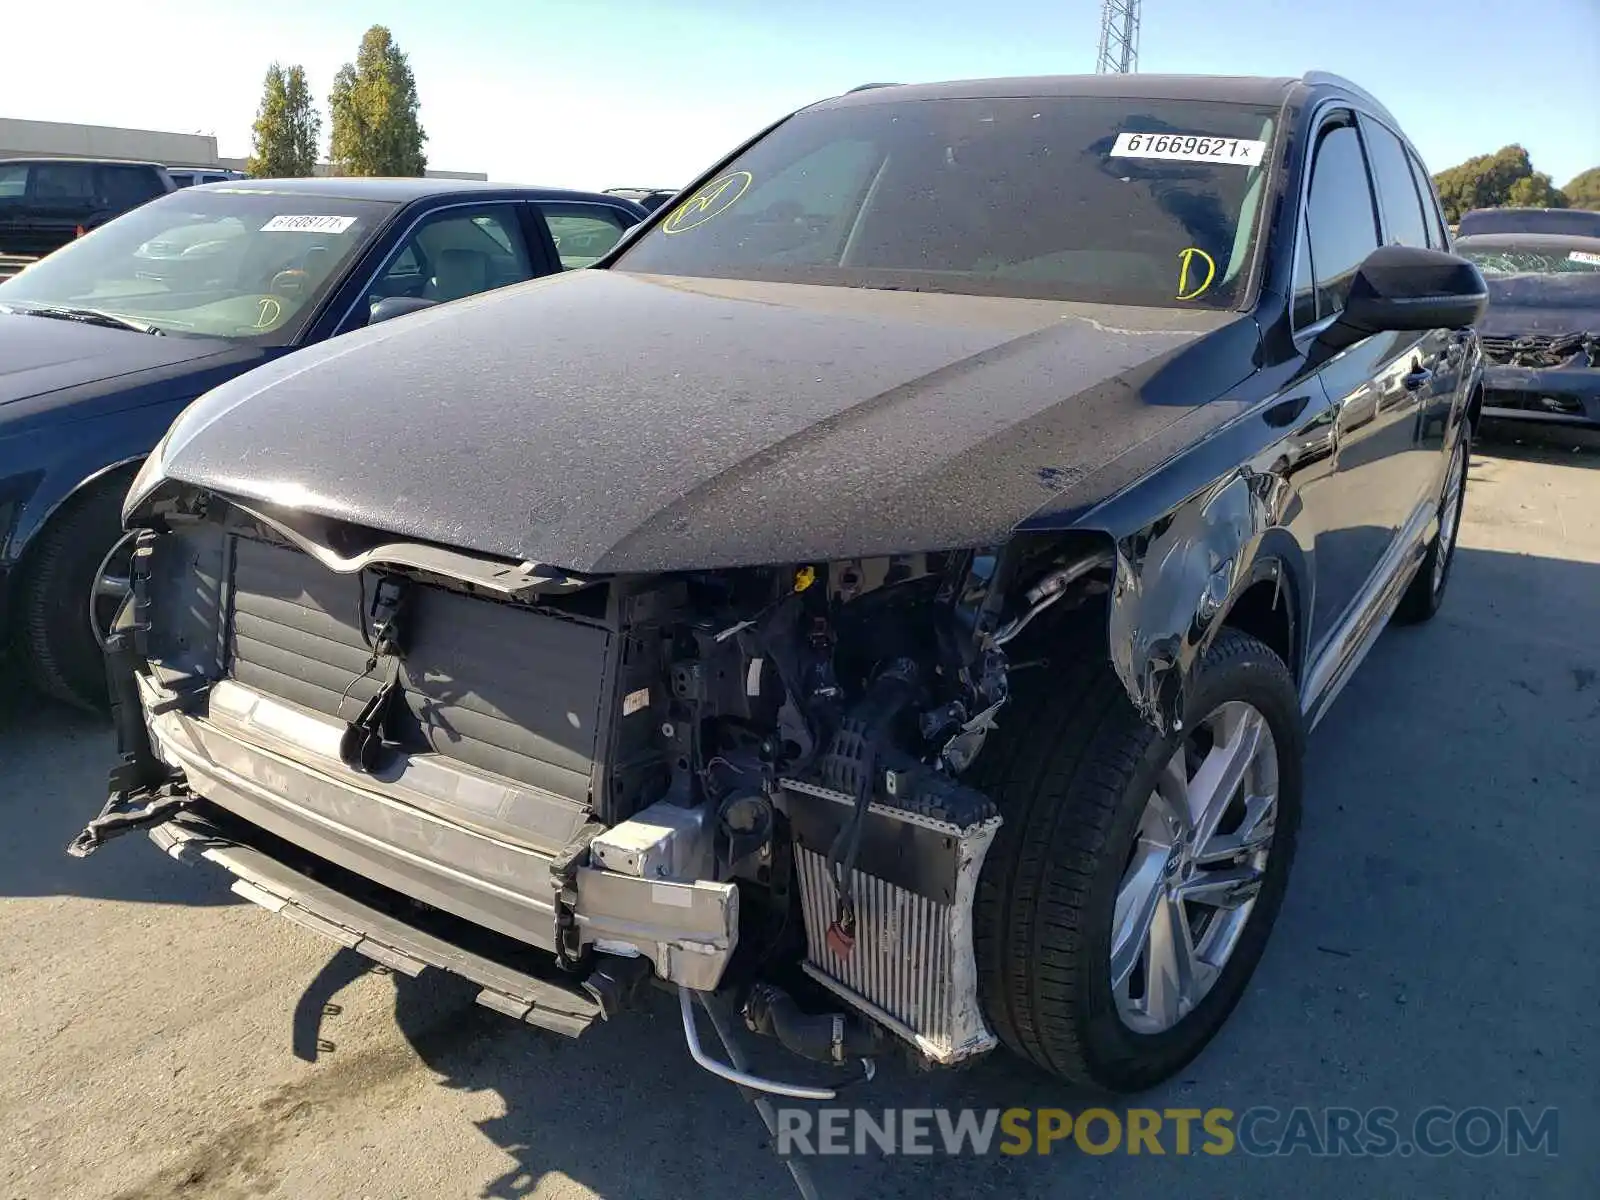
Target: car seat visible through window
x,y
457,273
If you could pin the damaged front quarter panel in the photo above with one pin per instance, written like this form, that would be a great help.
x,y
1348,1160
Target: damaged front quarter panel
x,y
1175,578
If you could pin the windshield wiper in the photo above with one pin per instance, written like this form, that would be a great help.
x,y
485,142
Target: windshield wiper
x,y
89,316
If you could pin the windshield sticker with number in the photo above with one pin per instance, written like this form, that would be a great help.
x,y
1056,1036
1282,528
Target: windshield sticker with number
x,y
1190,147
1586,257
1196,270
308,224
715,198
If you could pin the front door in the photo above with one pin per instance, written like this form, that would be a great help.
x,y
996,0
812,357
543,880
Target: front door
x,y
1358,509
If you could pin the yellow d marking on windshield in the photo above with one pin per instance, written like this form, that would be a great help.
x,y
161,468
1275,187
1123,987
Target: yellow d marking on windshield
x,y
270,311
1186,258
710,200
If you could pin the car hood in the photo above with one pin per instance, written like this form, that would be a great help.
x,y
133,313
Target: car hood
x,y
40,355
608,422
1523,304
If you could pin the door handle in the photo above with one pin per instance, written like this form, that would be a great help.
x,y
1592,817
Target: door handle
x,y
1417,379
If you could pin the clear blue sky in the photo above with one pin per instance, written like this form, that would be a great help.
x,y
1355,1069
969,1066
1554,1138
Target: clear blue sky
x,y
596,93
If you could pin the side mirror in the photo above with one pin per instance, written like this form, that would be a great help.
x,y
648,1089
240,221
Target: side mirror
x,y
1399,288
396,306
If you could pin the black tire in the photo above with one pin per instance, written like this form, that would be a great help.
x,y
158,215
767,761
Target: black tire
x,y
56,647
1425,594
1072,777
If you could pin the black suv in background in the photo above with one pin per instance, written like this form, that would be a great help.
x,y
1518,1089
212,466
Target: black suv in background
x,y
687,615
46,202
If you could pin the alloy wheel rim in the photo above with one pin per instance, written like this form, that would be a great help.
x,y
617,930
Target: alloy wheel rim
x,y
1196,868
1449,518
112,584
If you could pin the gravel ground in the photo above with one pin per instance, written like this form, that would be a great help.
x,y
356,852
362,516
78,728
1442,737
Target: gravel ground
x,y
159,1038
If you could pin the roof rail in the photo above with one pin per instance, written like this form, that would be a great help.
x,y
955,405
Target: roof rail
x,y
867,87
1329,79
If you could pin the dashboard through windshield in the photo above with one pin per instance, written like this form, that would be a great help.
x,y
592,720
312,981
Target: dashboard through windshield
x,y
1109,200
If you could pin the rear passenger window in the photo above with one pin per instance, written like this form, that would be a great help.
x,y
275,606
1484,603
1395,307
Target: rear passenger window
x,y
1339,216
13,182
1438,236
128,187
581,233
63,183
1397,187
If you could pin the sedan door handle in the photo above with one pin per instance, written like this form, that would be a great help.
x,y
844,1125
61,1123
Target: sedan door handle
x,y
1420,378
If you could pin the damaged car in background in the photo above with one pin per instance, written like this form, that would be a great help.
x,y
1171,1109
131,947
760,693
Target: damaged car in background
x,y
1541,335
885,599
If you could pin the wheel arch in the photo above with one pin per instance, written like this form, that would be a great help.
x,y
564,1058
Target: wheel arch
x,y
1222,558
48,502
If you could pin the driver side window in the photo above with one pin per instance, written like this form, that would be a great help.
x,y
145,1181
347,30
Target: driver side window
x,y
803,212
1341,222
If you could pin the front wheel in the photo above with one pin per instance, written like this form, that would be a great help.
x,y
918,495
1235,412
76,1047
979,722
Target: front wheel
x,y
1135,879
71,589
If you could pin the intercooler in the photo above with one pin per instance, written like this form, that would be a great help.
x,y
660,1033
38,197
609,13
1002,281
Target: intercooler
x,y
911,966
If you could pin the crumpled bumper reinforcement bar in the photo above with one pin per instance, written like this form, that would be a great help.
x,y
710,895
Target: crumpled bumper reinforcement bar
x,y
381,937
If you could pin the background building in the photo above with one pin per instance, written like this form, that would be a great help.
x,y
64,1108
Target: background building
x,y
55,139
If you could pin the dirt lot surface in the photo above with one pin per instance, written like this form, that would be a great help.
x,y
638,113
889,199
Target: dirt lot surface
x,y
160,1038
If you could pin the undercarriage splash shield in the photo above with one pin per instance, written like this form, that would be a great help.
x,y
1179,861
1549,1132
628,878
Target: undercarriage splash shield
x,y
911,967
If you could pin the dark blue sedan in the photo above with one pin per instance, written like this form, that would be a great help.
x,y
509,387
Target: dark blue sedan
x,y
105,341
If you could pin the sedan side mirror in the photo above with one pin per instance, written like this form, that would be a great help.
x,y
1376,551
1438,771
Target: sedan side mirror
x,y
1398,288
396,306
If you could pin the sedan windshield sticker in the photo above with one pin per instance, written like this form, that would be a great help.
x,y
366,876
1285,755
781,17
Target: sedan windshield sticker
x,y
1585,256
1190,147
1195,277
716,197
308,224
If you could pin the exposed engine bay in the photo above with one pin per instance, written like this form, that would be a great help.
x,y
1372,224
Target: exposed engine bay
x,y
754,781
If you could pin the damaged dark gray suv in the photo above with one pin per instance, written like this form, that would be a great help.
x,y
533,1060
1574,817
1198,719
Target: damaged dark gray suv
x,y
888,595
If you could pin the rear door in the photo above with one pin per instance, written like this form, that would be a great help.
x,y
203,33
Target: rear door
x,y
1454,375
1433,357
1355,513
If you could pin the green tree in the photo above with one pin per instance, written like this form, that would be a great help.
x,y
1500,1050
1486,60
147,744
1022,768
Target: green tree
x,y
287,127
1482,182
1583,191
373,109
1535,191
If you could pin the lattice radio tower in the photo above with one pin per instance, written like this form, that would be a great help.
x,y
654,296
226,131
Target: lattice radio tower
x,y
1119,38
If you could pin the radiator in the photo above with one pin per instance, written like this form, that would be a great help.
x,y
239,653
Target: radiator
x,y
912,967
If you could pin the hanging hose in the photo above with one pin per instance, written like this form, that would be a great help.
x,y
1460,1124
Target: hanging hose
x,y
769,1117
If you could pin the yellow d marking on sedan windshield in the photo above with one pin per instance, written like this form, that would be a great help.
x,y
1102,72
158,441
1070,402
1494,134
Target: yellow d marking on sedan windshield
x,y
710,200
1187,290
269,313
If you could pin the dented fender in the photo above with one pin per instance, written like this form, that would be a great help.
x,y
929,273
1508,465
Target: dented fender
x,y
1176,580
